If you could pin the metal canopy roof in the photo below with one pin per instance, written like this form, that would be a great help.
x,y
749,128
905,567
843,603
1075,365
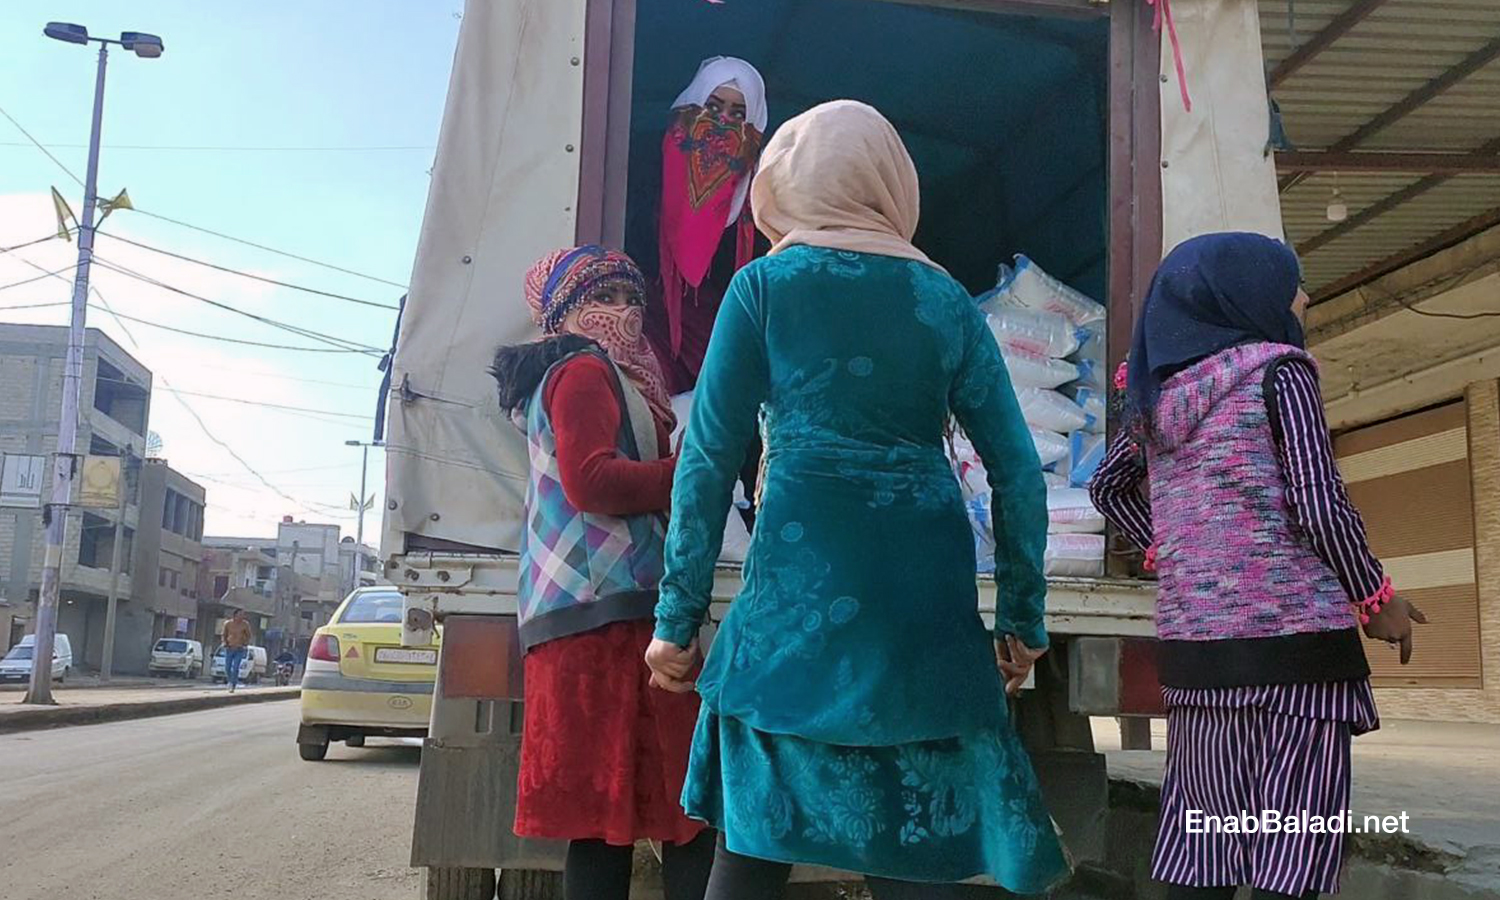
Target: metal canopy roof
x,y
1397,104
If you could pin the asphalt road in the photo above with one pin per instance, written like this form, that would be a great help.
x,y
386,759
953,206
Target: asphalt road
x,y
203,805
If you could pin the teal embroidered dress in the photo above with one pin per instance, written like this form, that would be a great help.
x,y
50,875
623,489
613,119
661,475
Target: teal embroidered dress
x,y
853,715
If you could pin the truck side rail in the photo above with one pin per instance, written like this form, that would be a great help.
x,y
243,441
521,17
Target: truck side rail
x,y
436,585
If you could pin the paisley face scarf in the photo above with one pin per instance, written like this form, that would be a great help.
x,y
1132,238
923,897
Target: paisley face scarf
x,y
563,291
708,158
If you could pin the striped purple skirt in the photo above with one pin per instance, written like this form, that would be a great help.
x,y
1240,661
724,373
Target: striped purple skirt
x,y
1277,754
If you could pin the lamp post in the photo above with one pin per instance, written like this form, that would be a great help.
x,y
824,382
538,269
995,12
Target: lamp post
x,y
65,465
364,470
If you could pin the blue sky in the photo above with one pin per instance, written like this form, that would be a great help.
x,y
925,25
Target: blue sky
x,y
361,77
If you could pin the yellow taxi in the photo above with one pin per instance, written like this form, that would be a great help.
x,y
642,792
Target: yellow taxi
x,y
360,682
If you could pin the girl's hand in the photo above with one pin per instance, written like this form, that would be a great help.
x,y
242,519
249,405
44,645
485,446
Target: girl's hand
x,y
1393,625
671,665
1015,660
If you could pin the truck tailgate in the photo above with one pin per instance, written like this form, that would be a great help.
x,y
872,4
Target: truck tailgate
x,y
441,584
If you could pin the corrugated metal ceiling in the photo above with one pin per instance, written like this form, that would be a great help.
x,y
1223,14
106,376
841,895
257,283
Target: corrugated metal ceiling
x,y
1399,47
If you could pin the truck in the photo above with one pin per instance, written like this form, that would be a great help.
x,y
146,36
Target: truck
x,y
1062,129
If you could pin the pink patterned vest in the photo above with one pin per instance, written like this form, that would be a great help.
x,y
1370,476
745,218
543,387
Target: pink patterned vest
x,y
1230,562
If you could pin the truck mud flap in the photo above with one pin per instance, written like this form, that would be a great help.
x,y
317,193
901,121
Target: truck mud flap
x,y
466,806
466,789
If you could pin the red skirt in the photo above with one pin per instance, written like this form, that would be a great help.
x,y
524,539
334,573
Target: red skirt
x,y
604,754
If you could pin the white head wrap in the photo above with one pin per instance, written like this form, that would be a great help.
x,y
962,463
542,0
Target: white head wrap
x,y
714,73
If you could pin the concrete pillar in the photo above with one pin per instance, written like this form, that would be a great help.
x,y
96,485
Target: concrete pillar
x,y
1484,467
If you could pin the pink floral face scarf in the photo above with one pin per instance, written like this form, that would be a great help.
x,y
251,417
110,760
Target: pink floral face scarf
x,y
567,281
707,161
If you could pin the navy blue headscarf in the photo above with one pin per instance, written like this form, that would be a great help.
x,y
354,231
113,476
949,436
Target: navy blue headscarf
x,y
1211,293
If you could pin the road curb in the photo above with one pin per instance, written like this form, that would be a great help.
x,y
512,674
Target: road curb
x,y
46,717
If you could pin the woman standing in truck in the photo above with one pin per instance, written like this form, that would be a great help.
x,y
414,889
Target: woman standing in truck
x,y
853,712
704,231
1264,570
603,756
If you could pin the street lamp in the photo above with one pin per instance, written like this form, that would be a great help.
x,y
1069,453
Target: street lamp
x,y
65,466
364,467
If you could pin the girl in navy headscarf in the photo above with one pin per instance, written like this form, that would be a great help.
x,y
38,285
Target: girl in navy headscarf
x,y
1264,572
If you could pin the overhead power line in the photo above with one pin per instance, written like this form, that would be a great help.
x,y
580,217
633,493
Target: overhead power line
x,y
36,278
286,284
222,338
230,237
121,318
234,148
33,243
38,144
207,432
93,289
278,406
340,468
331,340
247,402
36,306
218,234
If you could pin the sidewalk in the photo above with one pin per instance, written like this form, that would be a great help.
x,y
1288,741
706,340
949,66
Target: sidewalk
x,y
85,681
1445,776
90,705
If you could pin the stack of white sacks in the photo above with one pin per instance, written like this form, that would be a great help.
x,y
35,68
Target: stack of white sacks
x,y
1052,339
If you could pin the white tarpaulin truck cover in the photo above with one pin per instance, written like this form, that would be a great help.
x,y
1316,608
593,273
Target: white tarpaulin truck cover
x,y
1218,174
503,193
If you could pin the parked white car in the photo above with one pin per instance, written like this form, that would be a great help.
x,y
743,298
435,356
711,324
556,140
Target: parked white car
x,y
16,665
252,668
177,656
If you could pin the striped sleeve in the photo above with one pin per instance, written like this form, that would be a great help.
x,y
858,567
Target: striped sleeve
x,y
1316,496
1116,491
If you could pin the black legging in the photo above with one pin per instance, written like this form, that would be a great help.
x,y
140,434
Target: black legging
x,y
599,871
737,877
1182,892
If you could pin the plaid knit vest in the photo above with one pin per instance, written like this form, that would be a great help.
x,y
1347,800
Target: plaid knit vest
x,y
579,570
1232,566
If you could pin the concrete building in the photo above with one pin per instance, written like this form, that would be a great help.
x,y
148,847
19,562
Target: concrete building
x,y
313,551
359,565
114,409
164,582
232,578
160,553
290,584
1415,403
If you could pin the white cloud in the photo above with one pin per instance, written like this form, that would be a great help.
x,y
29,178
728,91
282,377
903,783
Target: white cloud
x,y
270,440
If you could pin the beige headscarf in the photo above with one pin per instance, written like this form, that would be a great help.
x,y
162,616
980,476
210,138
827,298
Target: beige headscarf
x,y
838,176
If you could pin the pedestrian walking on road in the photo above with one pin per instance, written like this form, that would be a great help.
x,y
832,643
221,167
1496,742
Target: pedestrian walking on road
x,y
237,636
1265,573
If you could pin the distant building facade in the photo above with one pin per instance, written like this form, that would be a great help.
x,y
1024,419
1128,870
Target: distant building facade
x,y
114,411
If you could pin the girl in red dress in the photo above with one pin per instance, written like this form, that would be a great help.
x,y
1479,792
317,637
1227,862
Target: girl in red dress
x,y
603,755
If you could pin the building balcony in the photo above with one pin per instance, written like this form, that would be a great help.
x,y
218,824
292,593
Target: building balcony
x,y
251,600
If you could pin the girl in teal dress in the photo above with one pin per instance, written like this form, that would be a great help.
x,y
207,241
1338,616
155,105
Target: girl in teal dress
x,y
853,712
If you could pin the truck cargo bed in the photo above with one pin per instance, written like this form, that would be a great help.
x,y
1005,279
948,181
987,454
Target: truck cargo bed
x,y
437,585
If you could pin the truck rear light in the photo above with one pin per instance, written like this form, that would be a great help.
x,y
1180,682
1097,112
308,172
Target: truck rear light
x,y
325,647
1114,677
480,658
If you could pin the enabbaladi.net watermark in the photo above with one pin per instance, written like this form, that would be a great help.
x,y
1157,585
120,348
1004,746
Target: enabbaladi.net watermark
x,y
1274,821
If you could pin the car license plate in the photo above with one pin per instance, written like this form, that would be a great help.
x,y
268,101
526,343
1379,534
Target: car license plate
x,y
403,655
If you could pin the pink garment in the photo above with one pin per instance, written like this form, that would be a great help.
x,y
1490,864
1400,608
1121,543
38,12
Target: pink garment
x,y
704,162
1228,560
